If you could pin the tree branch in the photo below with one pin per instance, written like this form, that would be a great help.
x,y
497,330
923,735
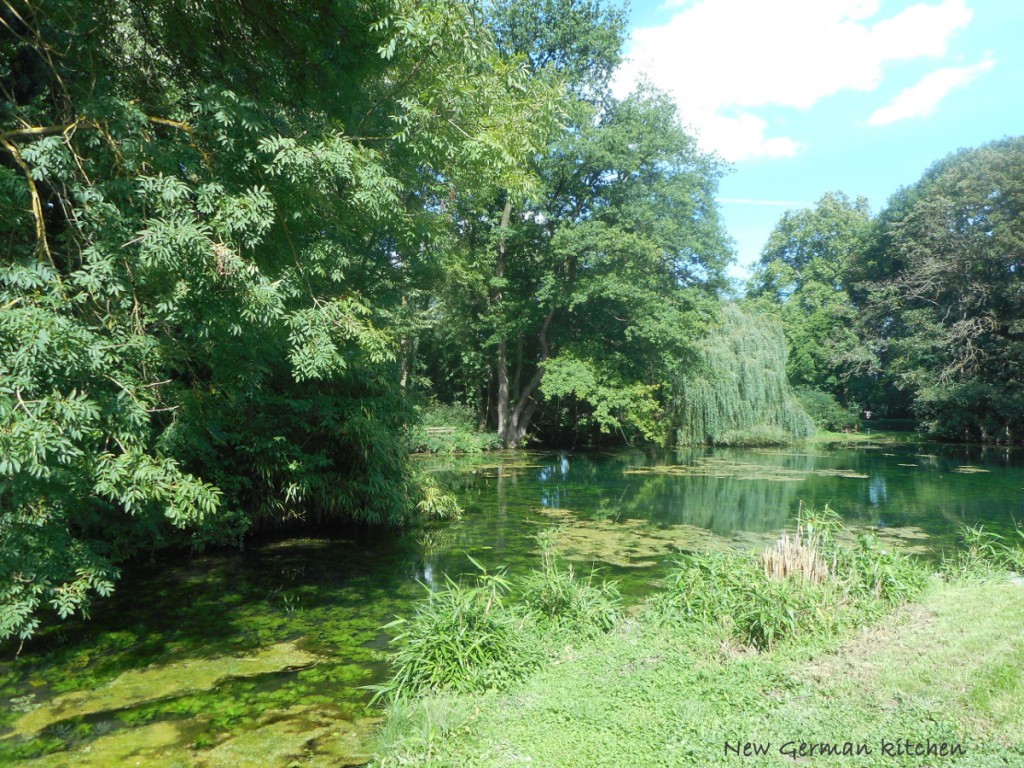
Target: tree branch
x,y
37,203
40,131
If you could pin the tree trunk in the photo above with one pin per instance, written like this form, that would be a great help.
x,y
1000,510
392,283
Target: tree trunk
x,y
514,421
502,366
526,404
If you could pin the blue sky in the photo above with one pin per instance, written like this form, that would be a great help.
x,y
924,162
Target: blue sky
x,y
807,96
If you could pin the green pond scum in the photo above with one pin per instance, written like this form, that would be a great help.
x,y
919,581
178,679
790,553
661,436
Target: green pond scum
x,y
261,656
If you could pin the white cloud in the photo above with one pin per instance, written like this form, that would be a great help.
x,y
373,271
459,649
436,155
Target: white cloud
x,y
921,100
723,58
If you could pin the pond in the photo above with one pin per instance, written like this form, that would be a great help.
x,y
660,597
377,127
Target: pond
x,y
259,656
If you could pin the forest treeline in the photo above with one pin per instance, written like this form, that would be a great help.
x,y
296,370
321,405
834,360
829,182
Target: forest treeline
x,y
247,247
915,313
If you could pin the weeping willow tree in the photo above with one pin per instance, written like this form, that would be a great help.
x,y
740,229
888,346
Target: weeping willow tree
x,y
738,393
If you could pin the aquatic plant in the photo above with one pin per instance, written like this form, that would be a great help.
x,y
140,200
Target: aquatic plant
x,y
436,503
797,555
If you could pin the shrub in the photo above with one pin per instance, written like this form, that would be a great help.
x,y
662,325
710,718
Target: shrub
x,y
562,602
449,429
462,638
825,410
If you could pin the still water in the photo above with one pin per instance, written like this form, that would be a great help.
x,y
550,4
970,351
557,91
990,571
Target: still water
x,y
305,614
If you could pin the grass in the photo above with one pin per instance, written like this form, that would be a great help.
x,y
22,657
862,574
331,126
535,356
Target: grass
x,y
947,668
476,636
874,436
732,655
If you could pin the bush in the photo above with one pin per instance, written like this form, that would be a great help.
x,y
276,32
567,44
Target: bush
x,y
462,638
449,429
566,604
825,410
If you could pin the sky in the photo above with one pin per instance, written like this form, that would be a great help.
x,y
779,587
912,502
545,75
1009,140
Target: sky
x,y
803,97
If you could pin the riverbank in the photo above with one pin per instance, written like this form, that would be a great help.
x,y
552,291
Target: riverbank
x,y
944,674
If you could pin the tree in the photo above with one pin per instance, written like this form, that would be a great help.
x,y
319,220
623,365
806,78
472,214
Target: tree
x,y
571,307
942,293
802,278
213,213
738,394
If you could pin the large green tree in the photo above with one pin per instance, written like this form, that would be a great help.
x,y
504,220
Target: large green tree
x,y
213,217
942,293
802,279
737,392
571,305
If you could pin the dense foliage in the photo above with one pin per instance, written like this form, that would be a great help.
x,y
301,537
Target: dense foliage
x,y
915,312
738,394
212,217
942,294
255,253
801,278
565,314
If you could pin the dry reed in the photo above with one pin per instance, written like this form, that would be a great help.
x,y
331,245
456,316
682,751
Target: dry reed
x,y
796,556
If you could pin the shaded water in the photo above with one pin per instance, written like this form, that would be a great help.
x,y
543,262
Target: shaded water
x,y
623,512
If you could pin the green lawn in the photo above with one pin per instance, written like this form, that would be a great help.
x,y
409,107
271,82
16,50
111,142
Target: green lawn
x,y
949,668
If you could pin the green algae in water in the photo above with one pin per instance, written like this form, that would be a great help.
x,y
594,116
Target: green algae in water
x,y
331,596
626,544
293,736
724,468
160,745
311,736
136,687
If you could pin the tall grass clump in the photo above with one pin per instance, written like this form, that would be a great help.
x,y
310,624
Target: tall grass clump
x,y
566,604
799,555
733,591
806,585
464,637
984,555
415,730
489,633
885,574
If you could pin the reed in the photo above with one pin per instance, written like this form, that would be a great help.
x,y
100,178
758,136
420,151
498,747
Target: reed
x,y
797,556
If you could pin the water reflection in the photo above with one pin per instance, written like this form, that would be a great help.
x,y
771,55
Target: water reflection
x,y
731,492
877,493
